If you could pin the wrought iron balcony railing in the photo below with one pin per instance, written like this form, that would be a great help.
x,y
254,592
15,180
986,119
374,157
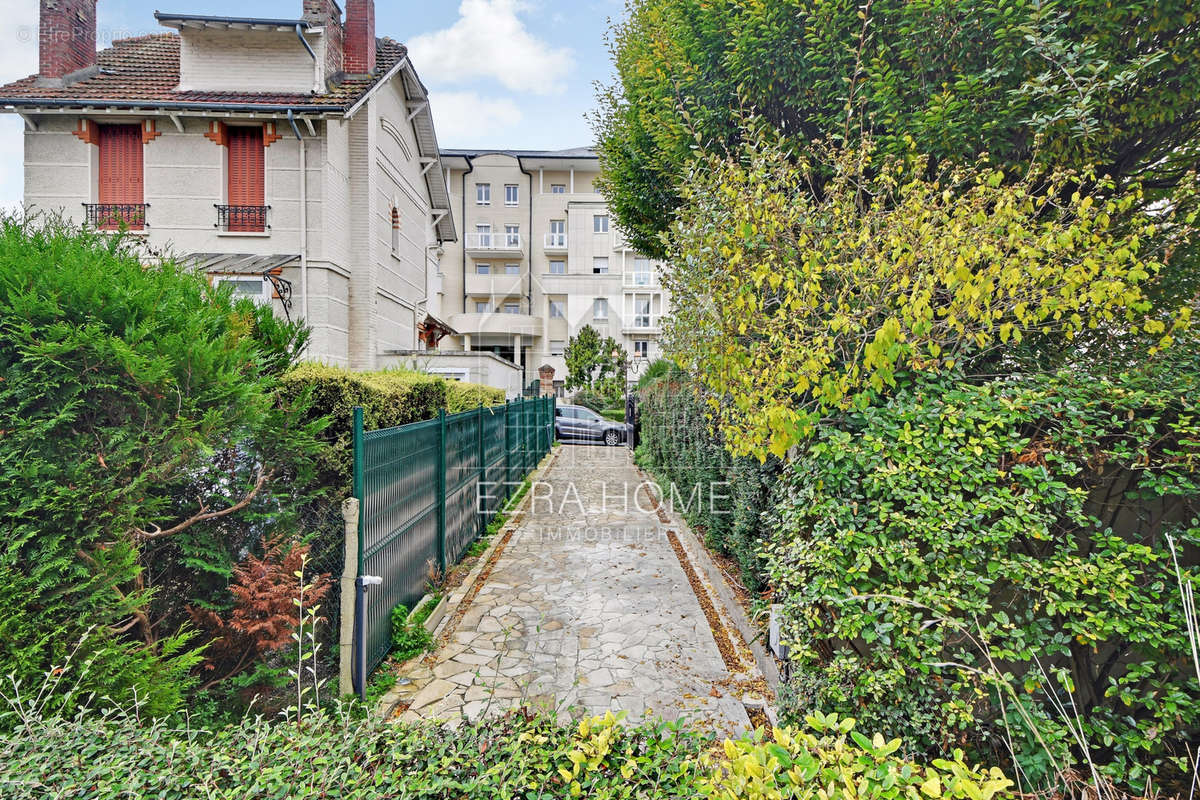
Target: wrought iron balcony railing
x,y
115,216
242,218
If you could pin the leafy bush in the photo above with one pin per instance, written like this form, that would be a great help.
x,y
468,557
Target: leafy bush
x,y
409,636
335,755
144,449
463,396
821,762
968,565
720,495
615,414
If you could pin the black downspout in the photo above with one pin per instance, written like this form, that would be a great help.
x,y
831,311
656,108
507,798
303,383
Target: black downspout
x,y
470,168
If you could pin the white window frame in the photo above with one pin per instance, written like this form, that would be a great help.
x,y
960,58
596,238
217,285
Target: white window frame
x,y
512,308
596,262
512,235
561,306
558,188
560,263
600,308
558,347
482,268
484,309
512,194
264,298
641,348
512,269
483,194
600,223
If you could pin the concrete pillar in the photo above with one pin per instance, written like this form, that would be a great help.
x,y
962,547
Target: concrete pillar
x,y
349,573
518,356
467,342
546,379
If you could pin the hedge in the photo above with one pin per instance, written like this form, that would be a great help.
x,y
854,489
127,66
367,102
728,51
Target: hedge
x,y
463,396
986,564
388,398
518,755
721,496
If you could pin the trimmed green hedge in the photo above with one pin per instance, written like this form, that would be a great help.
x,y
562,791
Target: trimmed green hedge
x,y
462,396
722,497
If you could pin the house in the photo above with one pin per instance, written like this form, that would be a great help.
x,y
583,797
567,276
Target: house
x,y
293,158
539,258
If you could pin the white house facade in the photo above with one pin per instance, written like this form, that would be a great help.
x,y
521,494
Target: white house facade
x,y
294,158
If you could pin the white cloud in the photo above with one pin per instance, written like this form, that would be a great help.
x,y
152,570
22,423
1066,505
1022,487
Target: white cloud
x,y
489,40
464,119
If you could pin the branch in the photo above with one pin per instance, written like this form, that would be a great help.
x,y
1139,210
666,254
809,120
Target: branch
x,y
204,515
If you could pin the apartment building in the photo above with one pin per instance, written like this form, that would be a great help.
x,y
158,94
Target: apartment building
x,y
293,158
539,258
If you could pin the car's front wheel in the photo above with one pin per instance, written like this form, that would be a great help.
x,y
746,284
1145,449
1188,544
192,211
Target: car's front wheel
x,y
612,438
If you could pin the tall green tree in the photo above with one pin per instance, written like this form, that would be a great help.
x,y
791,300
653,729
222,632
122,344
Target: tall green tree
x,y
1073,84
595,364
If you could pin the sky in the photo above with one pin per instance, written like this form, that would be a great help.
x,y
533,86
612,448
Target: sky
x,y
501,73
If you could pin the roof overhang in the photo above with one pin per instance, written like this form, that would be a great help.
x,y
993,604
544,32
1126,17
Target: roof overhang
x,y
182,22
421,119
43,105
237,263
560,163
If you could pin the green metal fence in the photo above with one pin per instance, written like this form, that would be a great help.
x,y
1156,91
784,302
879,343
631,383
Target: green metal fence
x,y
428,489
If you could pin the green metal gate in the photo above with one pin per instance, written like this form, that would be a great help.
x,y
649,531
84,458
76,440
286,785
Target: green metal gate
x,y
428,489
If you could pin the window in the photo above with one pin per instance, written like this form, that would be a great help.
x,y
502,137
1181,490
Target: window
x,y
641,312
120,188
483,194
483,232
251,286
558,188
600,223
481,307
558,233
641,348
641,272
557,347
557,309
512,235
483,269
245,174
600,265
512,194
395,232
558,268
599,308
512,308
512,269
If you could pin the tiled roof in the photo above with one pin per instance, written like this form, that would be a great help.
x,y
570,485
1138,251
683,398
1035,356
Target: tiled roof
x,y
146,68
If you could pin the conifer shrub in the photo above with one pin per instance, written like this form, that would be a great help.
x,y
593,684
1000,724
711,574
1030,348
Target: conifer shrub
x,y
144,450
465,396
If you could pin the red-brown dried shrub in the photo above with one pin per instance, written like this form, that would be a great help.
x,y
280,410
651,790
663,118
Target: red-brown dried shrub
x,y
264,614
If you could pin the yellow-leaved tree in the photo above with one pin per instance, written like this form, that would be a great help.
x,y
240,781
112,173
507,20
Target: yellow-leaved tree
x,y
792,301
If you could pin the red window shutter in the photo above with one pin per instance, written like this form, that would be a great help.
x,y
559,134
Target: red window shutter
x,y
246,177
120,180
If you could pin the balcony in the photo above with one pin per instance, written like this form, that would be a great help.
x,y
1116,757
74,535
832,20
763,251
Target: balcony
x,y
116,216
242,219
555,243
502,285
497,322
639,280
645,324
493,244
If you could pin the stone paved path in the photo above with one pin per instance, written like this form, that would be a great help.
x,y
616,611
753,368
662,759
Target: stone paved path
x,y
586,610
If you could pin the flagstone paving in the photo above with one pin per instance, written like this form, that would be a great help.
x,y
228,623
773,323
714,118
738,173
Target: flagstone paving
x,y
586,610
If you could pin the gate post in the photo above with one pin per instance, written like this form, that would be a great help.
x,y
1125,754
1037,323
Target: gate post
x,y
348,608
441,491
479,483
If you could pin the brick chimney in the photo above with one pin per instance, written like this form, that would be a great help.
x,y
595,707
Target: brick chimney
x,y
360,37
328,15
66,38
546,380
